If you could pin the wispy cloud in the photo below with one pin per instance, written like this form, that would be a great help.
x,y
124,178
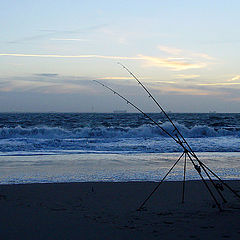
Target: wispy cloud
x,y
219,84
117,36
63,89
166,82
46,83
47,74
23,86
53,32
229,83
69,39
203,55
236,99
186,91
172,64
115,78
170,50
178,51
189,58
235,78
187,76
177,90
67,56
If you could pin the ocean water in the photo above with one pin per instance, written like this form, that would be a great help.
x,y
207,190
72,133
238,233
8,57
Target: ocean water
x,y
56,147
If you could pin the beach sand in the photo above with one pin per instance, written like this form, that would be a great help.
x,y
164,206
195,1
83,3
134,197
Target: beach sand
x,y
108,211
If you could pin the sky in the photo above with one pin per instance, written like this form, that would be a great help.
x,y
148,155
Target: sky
x,y
184,52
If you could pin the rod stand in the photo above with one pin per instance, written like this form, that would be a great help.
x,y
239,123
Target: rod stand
x,y
217,186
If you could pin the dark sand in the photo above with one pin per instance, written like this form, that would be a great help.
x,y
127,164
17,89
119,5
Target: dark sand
x,y
108,211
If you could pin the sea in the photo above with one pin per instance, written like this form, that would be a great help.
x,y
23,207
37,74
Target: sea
x,y
81,147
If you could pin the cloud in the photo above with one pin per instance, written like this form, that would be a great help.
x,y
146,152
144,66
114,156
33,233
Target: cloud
x,y
219,84
237,77
236,99
68,39
166,82
229,83
47,74
186,91
202,55
187,76
170,50
115,78
52,32
44,87
68,56
22,86
50,83
115,35
185,59
63,89
179,90
172,64
177,52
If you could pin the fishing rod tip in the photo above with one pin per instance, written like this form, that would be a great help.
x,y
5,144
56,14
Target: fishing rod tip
x,y
121,64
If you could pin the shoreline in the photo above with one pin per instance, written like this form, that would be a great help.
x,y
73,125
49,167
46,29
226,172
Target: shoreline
x,y
107,210
113,167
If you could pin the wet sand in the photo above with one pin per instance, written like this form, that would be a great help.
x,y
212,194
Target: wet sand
x,y
108,211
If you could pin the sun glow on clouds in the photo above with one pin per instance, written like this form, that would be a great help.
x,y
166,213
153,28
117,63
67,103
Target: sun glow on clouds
x,y
66,56
166,82
177,61
174,64
235,78
184,91
185,76
219,84
229,82
185,59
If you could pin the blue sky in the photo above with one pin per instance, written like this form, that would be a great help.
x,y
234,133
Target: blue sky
x,y
185,52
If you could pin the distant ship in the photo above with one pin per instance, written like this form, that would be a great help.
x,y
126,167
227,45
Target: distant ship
x,y
119,111
212,112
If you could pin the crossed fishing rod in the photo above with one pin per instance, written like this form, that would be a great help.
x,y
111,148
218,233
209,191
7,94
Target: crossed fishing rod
x,y
176,135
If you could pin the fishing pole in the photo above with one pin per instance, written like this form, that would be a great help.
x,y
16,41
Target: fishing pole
x,y
176,138
182,140
133,105
179,139
161,108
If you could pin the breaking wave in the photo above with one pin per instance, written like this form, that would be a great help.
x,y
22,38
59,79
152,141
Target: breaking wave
x,y
146,131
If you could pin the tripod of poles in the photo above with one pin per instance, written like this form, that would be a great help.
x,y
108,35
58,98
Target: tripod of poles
x,y
188,153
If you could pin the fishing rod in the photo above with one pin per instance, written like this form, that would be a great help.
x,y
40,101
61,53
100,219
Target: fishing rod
x,y
179,139
161,108
176,138
188,151
182,140
146,115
